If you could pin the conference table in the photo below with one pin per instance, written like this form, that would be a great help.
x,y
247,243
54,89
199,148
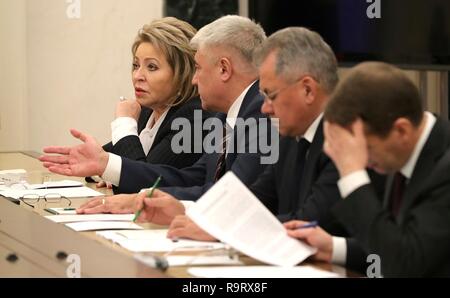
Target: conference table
x,y
33,246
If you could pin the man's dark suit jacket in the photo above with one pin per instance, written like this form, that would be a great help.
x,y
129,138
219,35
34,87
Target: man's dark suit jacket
x,y
191,182
279,188
161,151
416,242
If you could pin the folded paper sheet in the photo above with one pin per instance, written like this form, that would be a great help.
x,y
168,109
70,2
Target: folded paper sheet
x,y
156,241
103,225
90,217
68,192
260,272
232,214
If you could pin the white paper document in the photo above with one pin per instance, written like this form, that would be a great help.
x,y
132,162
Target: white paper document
x,y
156,241
231,213
10,177
54,184
62,211
260,272
90,217
202,260
70,192
103,225
173,261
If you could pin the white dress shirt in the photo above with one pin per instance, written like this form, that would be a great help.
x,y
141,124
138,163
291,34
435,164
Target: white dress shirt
x,y
126,126
355,180
233,113
311,131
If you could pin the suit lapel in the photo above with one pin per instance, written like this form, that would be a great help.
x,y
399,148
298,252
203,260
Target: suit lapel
x,y
165,125
315,150
243,113
434,148
143,119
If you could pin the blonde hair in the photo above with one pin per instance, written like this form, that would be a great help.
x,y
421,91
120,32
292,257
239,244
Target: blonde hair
x,y
172,36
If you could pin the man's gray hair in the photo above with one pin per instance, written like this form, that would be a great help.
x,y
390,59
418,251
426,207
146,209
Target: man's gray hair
x,y
301,51
234,31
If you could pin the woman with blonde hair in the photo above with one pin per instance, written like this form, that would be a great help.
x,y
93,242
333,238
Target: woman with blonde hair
x,y
162,71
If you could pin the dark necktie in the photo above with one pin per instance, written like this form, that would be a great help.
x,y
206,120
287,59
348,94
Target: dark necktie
x,y
221,162
302,149
303,146
398,187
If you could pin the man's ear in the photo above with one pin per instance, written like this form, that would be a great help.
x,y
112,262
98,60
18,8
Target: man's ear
x,y
403,129
309,89
225,69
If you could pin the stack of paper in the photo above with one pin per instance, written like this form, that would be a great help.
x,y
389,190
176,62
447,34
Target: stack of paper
x,y
156,241
231,213
103,225
10,177
173,261
90,217
260,272
68,192
62,211
202,260
95,222
54,184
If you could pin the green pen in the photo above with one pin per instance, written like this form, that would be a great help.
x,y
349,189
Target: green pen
x,y
149,195
58,210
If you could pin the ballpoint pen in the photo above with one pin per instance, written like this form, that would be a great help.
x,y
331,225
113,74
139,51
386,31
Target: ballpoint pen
x,y
311,224
57,211
149,195
51,211
154,261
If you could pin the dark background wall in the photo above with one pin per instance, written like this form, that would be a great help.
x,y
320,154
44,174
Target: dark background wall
x,y
200,12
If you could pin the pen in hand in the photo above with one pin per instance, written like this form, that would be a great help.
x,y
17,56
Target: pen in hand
x,y
149,195
311,224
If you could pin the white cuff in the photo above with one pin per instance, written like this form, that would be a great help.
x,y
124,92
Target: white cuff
x,y
113,169
122,127
351,182
339,255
